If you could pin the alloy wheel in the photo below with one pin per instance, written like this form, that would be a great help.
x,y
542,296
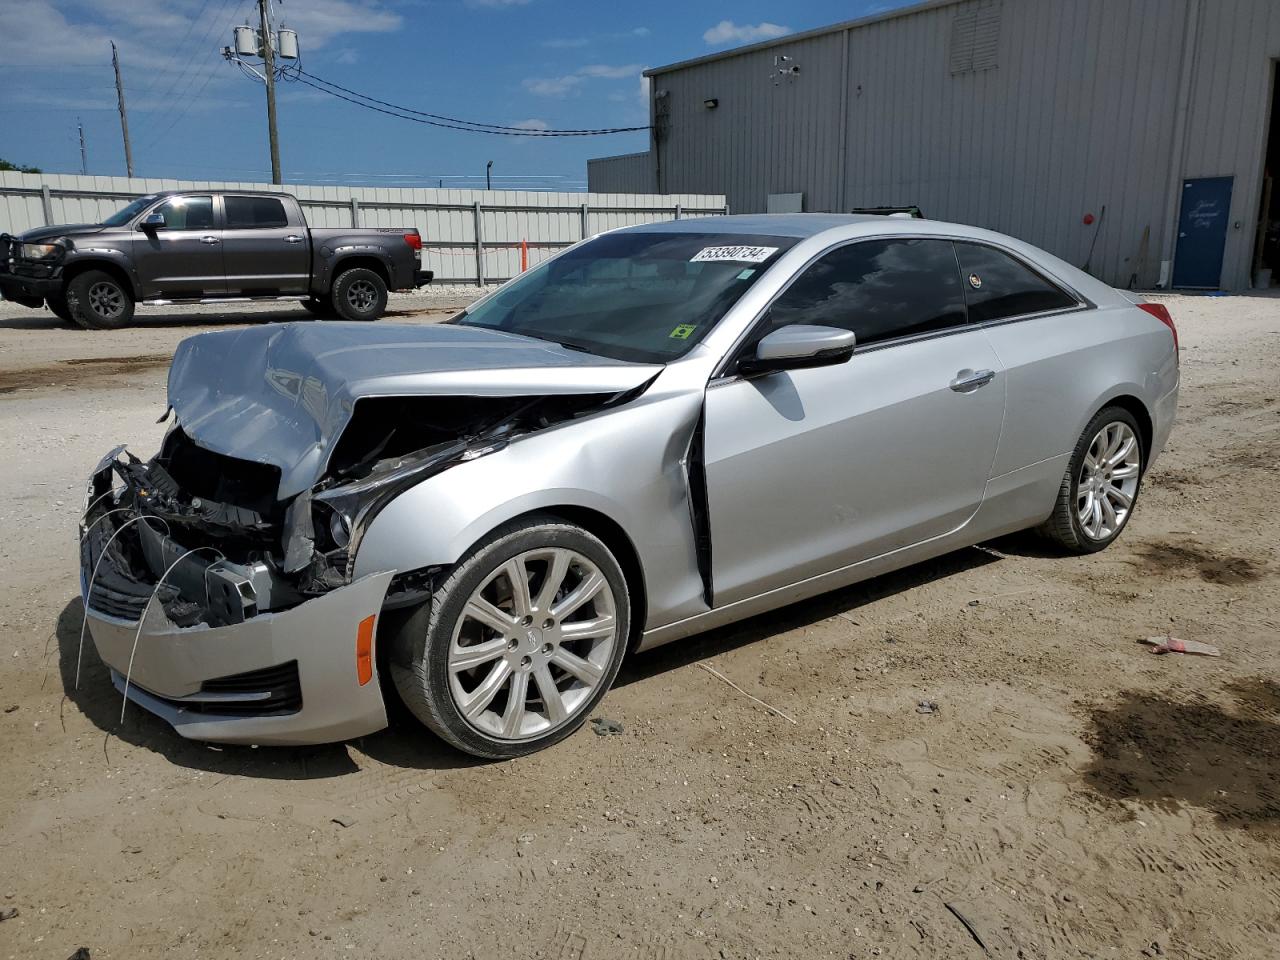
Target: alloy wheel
x,y
106,300
1108,480
532,644
362,295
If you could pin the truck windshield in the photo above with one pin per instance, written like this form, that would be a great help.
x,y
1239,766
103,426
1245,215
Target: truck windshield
x,y
121,217
641,297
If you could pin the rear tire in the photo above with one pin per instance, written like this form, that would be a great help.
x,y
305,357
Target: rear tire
x,y
359,294
1100,488
477,646
98,301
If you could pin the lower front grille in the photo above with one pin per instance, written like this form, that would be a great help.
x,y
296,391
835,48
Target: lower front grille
x,y
271,690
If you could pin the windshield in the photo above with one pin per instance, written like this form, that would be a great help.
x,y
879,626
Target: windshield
x,y
641,297
121,217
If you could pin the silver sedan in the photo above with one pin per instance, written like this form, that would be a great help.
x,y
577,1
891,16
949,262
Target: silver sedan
x,y
663,429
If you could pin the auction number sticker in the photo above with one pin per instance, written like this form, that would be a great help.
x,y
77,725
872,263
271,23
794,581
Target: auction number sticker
x,y
741,254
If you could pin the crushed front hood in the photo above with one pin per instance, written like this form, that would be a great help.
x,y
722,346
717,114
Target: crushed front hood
x,y
282,393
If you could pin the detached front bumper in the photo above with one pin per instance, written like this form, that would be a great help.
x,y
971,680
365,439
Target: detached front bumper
x,y
289,676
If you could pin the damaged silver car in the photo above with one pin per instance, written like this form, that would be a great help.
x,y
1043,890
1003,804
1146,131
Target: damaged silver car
x,y
662,429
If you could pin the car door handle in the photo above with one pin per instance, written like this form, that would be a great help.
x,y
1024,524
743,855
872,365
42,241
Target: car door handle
x,y
208,239
967,381
293,238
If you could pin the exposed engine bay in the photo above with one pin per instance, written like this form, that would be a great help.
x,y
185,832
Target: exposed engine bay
x,y
213,532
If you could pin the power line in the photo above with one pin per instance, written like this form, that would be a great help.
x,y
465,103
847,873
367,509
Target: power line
x,y
438,120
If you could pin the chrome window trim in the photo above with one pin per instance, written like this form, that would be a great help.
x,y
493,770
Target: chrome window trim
x,y
721,374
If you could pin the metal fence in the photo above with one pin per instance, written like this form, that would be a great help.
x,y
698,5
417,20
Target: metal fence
x,y
469,237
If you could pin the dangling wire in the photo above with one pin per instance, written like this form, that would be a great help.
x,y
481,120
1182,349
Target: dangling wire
x,y
84,621
145,610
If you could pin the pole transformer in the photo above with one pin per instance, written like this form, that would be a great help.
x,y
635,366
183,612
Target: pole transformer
x,y
269,70
124,116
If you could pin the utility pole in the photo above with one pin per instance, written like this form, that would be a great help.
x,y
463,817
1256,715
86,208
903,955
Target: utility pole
x,y
84,157
269,70
488,180
124,116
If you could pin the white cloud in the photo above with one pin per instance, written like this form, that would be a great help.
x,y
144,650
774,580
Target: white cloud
x,y
347,56
611,73
559,86
726,31
496,4
319,21
532,124
566,43
551,86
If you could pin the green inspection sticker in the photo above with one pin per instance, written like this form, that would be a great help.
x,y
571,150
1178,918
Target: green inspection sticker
x,y
683,331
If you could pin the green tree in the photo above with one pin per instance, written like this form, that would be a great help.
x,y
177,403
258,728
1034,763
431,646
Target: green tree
x,y
6,165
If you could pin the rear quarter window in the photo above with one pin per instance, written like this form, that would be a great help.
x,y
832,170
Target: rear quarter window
x,y
248,213
998,286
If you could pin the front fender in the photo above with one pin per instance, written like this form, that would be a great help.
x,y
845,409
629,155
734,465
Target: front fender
x,y
627,464
87,257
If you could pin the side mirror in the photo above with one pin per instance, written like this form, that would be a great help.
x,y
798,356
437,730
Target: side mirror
x,y
153,221
800,345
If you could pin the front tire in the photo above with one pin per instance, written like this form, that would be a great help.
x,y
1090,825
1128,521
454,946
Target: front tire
x,y
520,642
1100,488
359,294
98,301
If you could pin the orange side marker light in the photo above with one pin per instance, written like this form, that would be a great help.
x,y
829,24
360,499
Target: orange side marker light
x,y
364,649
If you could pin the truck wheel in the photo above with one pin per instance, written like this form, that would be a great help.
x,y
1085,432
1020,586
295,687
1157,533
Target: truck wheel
x,y
58,307
97,301
359,294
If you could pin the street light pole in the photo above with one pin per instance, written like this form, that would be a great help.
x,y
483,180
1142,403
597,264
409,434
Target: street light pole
x,y
488,180
269,69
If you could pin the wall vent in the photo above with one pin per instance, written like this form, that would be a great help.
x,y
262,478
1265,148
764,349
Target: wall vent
x,y
975,38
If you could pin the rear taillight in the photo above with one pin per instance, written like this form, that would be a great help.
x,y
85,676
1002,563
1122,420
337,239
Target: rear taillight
x,y
414,240
1161,313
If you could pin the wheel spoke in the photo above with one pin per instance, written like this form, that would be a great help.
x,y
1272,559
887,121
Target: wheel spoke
x,y
514,714
552,582
518,576
1119,496
584,670
478,608
466,658
551,697
1124,473
480,698
598,628
1122,452
1108,513
583,592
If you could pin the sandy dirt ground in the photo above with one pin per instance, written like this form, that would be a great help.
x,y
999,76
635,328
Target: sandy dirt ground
x,y
1071,796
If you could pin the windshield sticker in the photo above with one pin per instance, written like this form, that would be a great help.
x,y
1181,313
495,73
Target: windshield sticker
x,y
746,274
734,254
683,331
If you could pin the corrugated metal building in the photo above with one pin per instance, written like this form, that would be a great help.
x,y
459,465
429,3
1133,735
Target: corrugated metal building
x,y
1102,130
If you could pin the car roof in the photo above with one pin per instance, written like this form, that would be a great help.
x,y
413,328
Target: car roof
x,y
762,224
238,193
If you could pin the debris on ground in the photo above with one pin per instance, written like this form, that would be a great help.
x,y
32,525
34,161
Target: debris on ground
x,y
603,726
968,925
81,954
1167,644
8,913
11,708
343,821
928,707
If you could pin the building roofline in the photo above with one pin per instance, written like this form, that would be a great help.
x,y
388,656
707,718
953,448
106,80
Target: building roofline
x,y
805,35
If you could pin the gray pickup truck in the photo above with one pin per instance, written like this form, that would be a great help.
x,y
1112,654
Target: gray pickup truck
x,y
207,246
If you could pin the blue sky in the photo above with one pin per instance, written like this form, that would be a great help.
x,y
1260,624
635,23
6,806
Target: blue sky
x,y
537,63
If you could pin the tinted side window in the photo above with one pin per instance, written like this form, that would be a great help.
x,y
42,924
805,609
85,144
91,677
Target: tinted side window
x,y
998,286
188,213
254,212
879,289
